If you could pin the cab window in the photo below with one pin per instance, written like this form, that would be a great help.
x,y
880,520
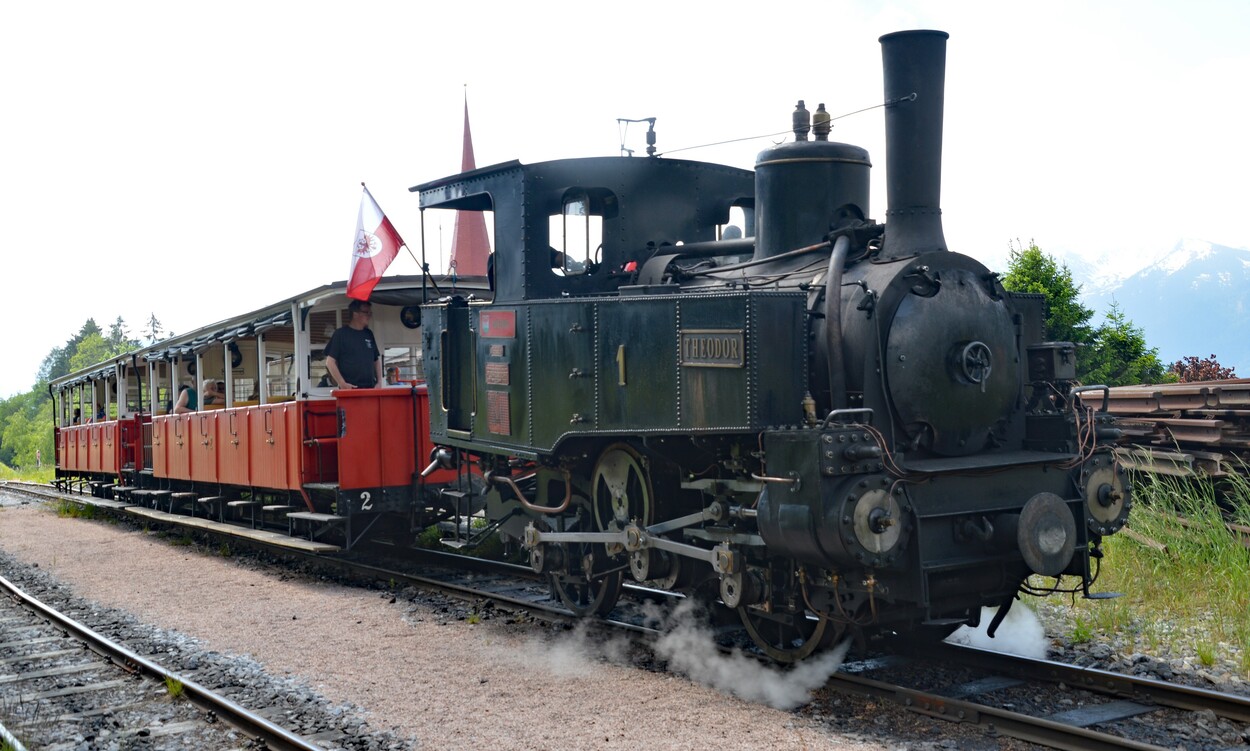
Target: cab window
x,y
575,235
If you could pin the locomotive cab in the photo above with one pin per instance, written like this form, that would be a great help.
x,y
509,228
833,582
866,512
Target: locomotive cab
x,y
578,227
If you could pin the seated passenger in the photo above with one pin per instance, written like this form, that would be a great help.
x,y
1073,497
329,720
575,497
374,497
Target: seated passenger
x,y
187,400
214,393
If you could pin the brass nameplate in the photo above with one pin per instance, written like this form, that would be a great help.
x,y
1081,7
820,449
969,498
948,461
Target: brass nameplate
x,y
713,348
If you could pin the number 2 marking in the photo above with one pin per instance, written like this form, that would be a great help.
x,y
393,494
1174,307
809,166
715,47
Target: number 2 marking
x,y
366,501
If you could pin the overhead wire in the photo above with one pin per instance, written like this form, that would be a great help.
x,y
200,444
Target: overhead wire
x,y
783,132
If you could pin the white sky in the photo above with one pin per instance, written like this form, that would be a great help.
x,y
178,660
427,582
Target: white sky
x,y
197,161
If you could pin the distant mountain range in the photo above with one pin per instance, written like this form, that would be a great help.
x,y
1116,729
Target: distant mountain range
x,y
1194,300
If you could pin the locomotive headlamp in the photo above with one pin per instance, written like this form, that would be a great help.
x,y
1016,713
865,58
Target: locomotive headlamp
x,y
1046,534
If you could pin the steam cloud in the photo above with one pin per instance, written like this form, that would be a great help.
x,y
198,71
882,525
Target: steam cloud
x,y
1020,633
690,649
576,653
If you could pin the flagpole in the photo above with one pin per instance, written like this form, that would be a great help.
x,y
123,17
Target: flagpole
x,y
425,272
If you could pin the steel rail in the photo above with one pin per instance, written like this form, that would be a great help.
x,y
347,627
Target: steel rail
x,y
1229,706
276,738
1024,727
1005,722
10,739
450,561
480,565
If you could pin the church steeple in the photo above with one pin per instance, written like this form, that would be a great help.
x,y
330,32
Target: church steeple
x,y
470,246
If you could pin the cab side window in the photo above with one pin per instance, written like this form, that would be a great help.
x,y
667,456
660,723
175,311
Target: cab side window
x,y
575,236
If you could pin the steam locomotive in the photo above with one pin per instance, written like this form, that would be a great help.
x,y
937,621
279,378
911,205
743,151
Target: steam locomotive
x,y
826,423
723,382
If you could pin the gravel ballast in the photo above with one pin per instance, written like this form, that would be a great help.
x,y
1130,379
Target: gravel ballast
x,y
399,669
416,669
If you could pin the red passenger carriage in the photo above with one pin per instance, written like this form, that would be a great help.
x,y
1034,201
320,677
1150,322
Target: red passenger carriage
x,y
285,448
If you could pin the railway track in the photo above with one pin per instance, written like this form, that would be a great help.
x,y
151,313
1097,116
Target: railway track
x,y
63,685
1047,703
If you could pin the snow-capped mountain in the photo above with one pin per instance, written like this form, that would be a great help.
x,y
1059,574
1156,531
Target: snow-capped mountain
x,y
1101,274
1195,300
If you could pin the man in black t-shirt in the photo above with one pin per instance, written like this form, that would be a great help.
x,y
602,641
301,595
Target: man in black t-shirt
x,y
352,355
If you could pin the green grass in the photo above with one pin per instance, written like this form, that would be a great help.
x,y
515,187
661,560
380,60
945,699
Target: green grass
x,y
1082,631
173,687
1195,594
1206,653
69,509
491,548
46,474
429,537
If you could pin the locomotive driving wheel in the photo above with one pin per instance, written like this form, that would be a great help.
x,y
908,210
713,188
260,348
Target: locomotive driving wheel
x,y
621,489
587,595
787,636
620,493
589,583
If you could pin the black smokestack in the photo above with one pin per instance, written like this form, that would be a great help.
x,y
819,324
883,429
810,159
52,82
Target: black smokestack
x,y
914,67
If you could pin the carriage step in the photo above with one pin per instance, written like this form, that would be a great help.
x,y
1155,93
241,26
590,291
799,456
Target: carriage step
x,y
242,504
211,504
277,507
313,516
328,487
180,498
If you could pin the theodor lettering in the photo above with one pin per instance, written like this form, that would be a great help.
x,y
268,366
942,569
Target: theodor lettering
x,y
723,348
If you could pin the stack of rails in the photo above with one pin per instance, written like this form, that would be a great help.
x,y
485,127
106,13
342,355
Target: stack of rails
x,y
1185,428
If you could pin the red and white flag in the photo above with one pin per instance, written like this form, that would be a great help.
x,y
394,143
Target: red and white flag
x,y
376,245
